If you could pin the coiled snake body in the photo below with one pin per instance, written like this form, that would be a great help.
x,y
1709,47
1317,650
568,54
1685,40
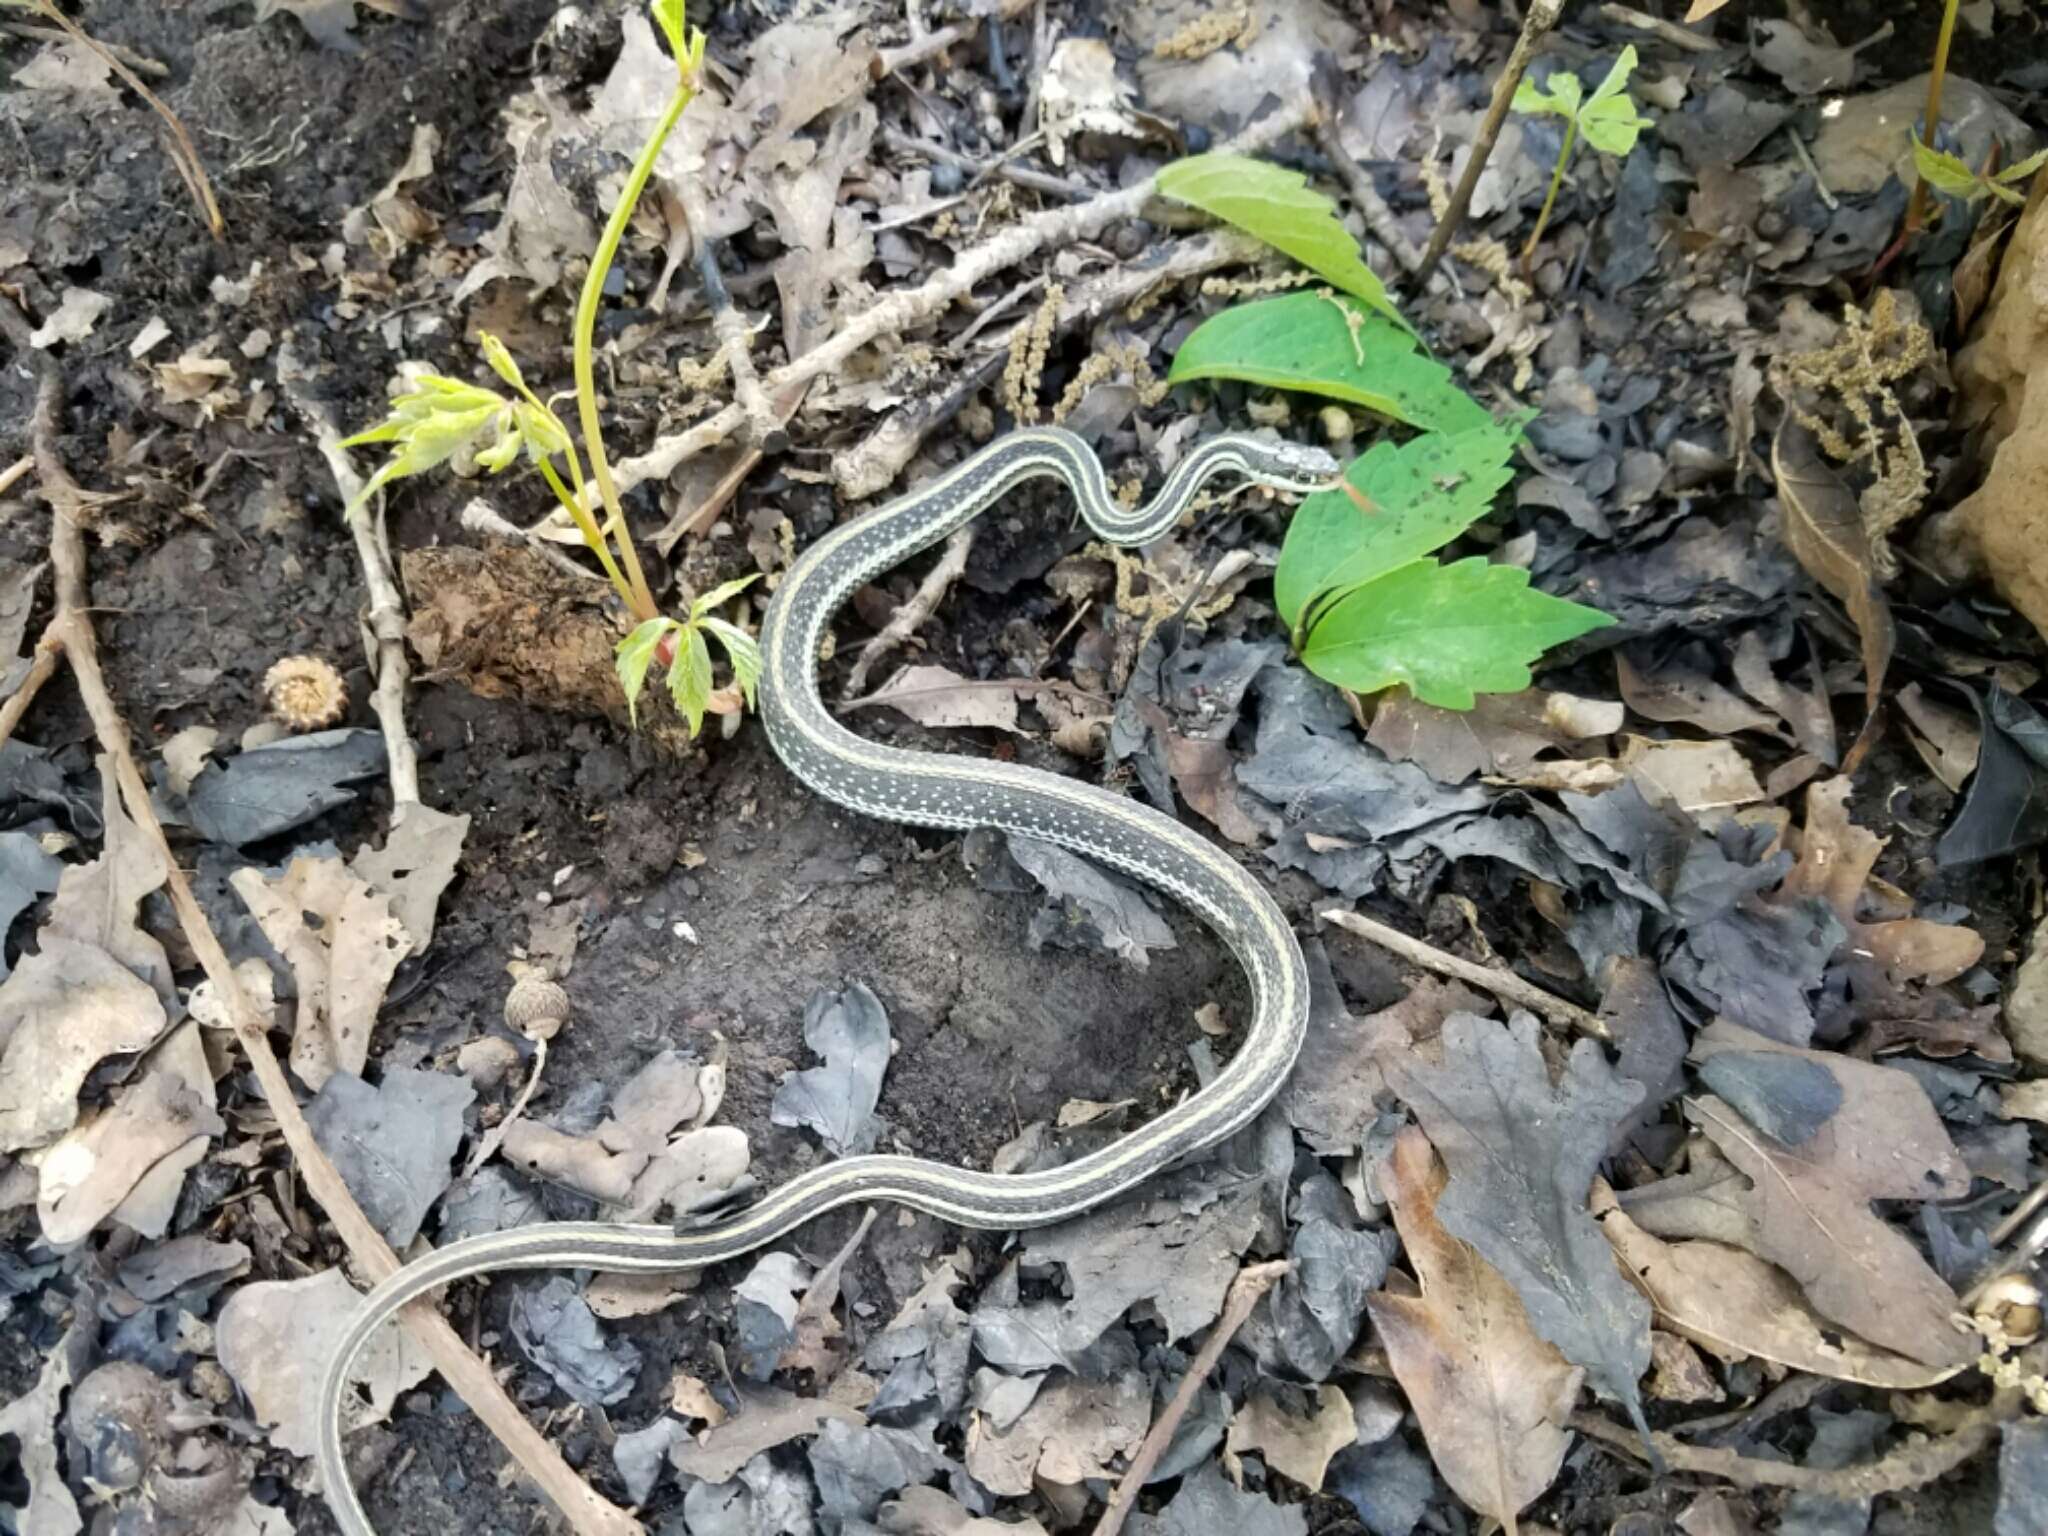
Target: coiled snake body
x,y
952,792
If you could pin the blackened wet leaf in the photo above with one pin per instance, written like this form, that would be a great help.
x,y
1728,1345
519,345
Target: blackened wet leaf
x,y
1317,1307
1839,1440
2022,1479
2005,808
1760,965
26,872
765,1308
557,1331
1087,907
1648,1036
1389,1484
1825,531
157,1271
1788,1098
641,1455
1206,1505
33,782
925,1347
271,789
850,1030
856,1467
490,1200
392,1143
1522,1156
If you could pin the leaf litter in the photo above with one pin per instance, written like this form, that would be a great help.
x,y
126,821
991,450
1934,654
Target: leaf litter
x,y
1691,856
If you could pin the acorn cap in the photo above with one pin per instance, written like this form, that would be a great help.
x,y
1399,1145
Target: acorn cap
x,y
2014,1303
536,1007
305,693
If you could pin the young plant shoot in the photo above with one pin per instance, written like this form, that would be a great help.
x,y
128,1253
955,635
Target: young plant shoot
x,y
1607,120
439,418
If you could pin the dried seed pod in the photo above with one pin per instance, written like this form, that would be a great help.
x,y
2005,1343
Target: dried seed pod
x,y
2013,1302
305,693
536,1007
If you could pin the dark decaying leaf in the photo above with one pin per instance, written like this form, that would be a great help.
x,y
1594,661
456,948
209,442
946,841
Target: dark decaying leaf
x,y
392,1143
2005,808
26,872
33,781
1316,1308
641,1455
1088,907
764,1311
1492,1395
857,1466
1389,1484
1825,531
556,1330
2022,1479
1787,1097
850,1030
1522,1156
271,789
1207,1504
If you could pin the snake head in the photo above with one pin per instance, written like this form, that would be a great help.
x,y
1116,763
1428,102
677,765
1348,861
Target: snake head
x,y
1289,466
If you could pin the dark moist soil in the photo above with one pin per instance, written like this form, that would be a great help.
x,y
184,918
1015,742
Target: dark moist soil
x,y
784,895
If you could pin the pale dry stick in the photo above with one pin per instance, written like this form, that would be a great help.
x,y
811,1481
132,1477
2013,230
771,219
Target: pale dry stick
x,y
191,170
384,620
1499,980
735,335
16,471
479,516
904,622
1252,1282
1380,221
1541,17
70,509
492,1139
1820,186
700,517
1670,31
873,464
70,636
899,312
889,60
1913,1465
141,63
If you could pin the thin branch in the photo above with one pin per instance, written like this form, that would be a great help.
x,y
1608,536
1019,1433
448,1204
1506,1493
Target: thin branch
x,y
1542,17
735,335
1670,31
890,60
183,155
904,621
384,619
1497,979
1252,1282
901,312
1913,1465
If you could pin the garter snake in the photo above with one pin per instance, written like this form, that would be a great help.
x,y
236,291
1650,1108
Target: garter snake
x,y
922,789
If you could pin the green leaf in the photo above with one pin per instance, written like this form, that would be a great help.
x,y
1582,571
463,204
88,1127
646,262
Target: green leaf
x,y
1616,80
2021,170
1446,631
719,596
742,651
1324,345
1424,493
1611,126
634,654
1556,97
1946,173
500,358
1278,207
689,678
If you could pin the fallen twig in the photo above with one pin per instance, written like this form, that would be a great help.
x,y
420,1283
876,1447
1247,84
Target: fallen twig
x,y
70,635
735,335
1670,31
900,312
1541,18
1913,1465
492,1139
15,471
384,619
873,463
904,621
183,154
1497,979
889,60
1252,1282
1380,221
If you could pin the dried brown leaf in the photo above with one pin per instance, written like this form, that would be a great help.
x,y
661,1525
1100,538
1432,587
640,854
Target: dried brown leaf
x,y
1736,1305
414,866
1492,1395
63,1010
1072,1431
1294,1445
1812,1205
943,699
1825,531
343,946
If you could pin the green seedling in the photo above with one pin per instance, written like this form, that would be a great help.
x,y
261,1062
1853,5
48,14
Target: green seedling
x,y
438,419
1607,120
1951,175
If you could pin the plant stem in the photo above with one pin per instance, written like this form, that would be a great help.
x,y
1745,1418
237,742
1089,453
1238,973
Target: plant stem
x,y
587,526
1930,127
639,599
1564,155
